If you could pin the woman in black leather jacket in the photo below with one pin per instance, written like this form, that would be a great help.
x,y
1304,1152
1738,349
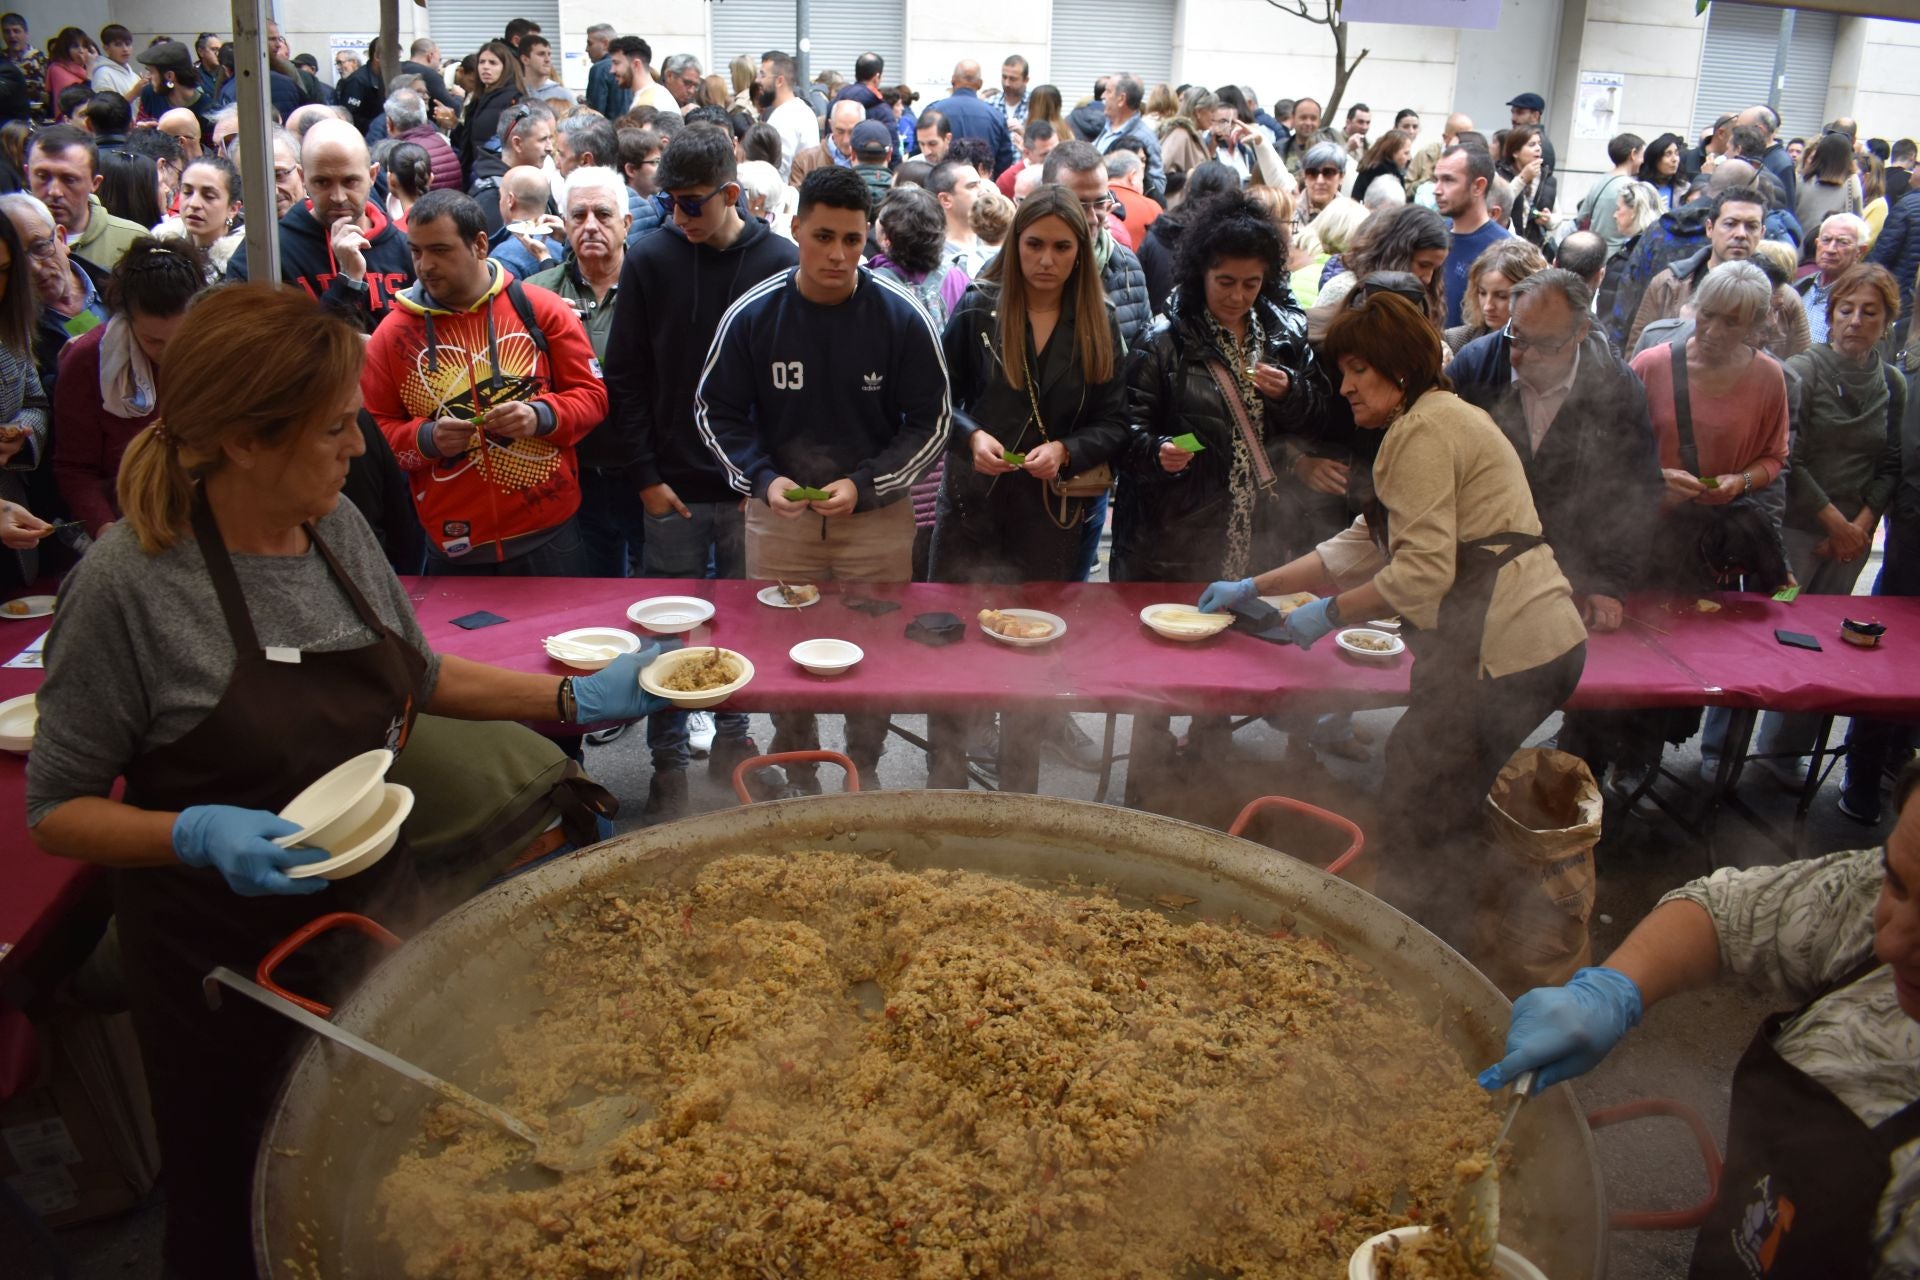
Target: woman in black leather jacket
x,y
1180,515
1033,360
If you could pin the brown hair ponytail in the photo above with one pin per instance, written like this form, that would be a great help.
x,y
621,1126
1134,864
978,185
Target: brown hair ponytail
x,y
220,384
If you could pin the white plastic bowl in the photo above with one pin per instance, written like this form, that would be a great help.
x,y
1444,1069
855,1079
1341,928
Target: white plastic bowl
x,y
367,843
18,719
609,637
662,668
827,657
1346,640
1181,626
1507,1264
337,803
670,615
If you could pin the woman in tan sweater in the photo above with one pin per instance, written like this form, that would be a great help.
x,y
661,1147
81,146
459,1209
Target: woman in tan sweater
x,y
1451,544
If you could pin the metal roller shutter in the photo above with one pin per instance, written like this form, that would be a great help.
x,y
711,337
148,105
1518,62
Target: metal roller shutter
x,y
460,29
842,31
1736,63
1093,38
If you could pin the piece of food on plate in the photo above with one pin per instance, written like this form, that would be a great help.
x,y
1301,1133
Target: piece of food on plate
x,y
19,608
800,593
1287,604
1371,643
1015,628
710,672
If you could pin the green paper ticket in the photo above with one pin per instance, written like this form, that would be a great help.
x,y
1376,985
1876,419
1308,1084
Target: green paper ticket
x,y
1787,595
1013,459
1710,482
1190,442
807,495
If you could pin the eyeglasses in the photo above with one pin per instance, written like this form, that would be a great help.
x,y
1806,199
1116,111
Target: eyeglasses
x,y
43,248
1323,173
1520,342
692,206
1101,205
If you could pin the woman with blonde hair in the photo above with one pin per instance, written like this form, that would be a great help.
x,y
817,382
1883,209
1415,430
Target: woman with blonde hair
x,y
1043,103
742,71
1315,245
236,636
714,92
1490,280
1039,401
1638,208
1161,106
1412,238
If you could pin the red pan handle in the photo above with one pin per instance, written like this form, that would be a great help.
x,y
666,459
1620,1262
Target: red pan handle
x,y
1665,1219
747,766
263,973
1353,833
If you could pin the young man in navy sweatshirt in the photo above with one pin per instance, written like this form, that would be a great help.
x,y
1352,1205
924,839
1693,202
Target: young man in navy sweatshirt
x,y
826,377
674,287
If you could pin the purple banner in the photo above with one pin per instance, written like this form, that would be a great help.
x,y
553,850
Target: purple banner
x,y
1482,15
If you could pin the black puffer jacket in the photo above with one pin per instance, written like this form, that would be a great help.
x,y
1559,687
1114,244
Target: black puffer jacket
x,y
1173,528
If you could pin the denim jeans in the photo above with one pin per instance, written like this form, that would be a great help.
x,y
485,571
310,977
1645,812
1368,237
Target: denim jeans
x,y
564,555
1090,537
611,522
676,546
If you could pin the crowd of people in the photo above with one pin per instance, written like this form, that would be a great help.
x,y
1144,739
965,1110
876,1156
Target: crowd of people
x,y
732,322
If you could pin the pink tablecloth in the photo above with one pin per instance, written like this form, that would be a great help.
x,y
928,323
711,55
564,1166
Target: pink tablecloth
x,y
1108,661
35,889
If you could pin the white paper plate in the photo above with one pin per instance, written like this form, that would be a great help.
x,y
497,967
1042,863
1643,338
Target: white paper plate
x,y
772,596
662,666
18,719
34,607
1187,630
827,657
610,637
669,615
1396,646
1037,615
367,843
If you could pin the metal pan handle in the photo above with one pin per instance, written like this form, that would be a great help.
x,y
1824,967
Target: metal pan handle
x,y
1356,839
747,766
263,973
1665,1219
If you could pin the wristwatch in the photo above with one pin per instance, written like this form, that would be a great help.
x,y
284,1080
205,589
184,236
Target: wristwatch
x,y
1333,612
1748,477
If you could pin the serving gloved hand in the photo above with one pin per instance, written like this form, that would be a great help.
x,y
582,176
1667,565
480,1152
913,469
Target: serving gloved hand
x,y
1565,1031
1225,595
614,693
239,844
1310,622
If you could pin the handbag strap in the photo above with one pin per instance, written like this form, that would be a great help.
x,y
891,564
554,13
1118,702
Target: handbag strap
x,y
1262,466
1683,407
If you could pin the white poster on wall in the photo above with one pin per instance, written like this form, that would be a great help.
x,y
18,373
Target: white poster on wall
x,y
1479,15
573,70
353,42
1596,104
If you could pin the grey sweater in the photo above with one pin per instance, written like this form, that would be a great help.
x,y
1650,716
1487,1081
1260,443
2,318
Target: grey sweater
x,y
1847,448
140,653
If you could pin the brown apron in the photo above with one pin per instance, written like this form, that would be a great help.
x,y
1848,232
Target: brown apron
x,y
213,1076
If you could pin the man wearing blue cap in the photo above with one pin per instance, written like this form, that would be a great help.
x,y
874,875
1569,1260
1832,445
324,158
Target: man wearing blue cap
x,y
1526,109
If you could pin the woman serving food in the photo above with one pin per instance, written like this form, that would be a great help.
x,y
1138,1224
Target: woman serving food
x,y
235,636
1452,544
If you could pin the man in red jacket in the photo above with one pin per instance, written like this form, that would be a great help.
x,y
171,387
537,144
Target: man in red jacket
x,y
483,386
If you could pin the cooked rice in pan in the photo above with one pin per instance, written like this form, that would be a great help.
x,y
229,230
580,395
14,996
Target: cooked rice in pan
x,y
856,1072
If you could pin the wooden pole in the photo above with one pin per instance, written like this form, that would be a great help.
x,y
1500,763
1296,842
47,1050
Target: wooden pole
x,y
256,138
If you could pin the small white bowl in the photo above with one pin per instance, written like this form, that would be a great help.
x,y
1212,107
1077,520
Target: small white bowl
x,y
18,719
663,667
1180,626
1346,640
367,843
670,615
609,637
337,803
827,657
1058,623
1507,1264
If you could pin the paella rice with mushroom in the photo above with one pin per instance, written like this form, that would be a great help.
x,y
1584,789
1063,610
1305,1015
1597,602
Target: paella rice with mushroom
x,y
852,1071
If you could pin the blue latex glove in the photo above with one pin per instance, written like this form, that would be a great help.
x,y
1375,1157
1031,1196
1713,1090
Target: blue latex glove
x,y
1309,622
614,693
1225,595
239,844
1565,1031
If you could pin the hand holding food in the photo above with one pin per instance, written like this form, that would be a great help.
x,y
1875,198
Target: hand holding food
x,y
1564,1031
1224,595
842,496
515,419
20,529
1682,486
1717,491
1310,623
781,504
453,436
239,844
1045,462
614,692
989,455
